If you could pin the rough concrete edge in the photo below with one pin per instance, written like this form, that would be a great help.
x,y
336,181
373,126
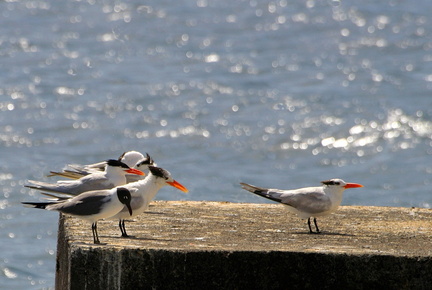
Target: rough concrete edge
x,y
108,268
385,270
63,261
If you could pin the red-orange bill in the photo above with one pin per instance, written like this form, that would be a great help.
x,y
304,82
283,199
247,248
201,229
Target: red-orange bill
x,y
178,186
135,171
353,185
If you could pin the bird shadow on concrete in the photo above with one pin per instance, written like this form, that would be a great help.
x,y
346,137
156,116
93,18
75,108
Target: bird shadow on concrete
x,y
90,244
131,237
324,234
154,212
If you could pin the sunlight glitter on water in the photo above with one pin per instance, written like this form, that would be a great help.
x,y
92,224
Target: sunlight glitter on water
x,y
398,130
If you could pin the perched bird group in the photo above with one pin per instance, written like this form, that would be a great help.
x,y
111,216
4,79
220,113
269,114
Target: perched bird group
x,y
117,189
113,189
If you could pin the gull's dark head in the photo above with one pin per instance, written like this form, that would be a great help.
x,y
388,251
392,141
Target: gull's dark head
x,y
125,197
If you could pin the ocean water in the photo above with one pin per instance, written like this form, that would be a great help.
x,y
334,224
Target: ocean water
x,y
279,94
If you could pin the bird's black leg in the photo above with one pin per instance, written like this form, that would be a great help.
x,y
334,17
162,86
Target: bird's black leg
x,y
95,234
123,228
120,226
310,229
316,226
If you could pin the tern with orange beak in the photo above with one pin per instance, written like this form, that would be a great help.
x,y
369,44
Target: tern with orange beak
x,y
133,159
307,202
114,175
144,191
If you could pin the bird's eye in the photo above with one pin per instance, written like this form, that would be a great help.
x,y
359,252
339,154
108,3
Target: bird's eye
x,y
337,183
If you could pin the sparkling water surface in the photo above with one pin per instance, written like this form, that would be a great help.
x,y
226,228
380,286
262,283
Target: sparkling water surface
x,y
279,94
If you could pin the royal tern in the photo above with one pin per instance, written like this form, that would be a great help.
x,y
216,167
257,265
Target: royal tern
x,y
91,206
133,159
309,201
139,163
114,175
144,191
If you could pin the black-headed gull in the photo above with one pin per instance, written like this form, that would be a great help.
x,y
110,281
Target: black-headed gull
x,y
91,206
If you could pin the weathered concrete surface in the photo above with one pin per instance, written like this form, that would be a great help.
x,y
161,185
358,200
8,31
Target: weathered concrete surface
x,y
217,245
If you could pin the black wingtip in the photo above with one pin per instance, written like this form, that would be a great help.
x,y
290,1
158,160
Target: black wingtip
x,y
263,192
41,205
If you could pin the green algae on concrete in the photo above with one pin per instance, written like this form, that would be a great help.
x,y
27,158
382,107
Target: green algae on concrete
x,y
219,245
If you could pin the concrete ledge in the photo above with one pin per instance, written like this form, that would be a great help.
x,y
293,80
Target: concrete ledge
x,y
217,245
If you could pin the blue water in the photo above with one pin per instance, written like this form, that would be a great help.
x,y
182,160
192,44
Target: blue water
x,y
275,93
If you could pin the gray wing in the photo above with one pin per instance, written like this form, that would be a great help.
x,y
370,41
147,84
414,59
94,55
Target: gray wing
x,y
49,187
67,174
86,204
57,196
310,199
94,181
261,191
91,182
75,171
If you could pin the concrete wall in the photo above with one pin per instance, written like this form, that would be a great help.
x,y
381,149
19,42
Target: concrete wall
x,y
199,245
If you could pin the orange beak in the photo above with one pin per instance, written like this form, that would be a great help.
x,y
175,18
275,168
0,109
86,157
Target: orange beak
x,y
353,185
178,186
135,171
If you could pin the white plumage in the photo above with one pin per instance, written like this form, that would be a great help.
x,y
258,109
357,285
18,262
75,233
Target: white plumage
x,y
144,191
91,206
309,201
114,175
